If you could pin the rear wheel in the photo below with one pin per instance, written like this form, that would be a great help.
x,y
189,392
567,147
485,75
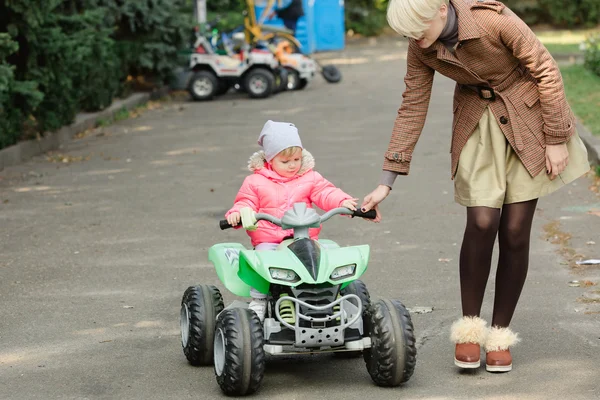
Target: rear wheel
x,y
358,288
293,79
199,308
204,85
282,80
392,357
239,355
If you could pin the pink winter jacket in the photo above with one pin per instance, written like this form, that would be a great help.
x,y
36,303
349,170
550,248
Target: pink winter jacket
x,y
265,191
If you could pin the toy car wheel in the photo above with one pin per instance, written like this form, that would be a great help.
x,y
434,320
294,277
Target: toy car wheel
x,y
239,355
199,308
358,288
293,79
204,85
259,83
392,357
282,80
331,73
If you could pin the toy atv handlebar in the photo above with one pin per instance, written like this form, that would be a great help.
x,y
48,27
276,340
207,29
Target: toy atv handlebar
x,y
371,214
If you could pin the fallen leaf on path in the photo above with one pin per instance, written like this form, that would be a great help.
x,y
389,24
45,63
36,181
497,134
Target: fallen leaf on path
x,y
595,212
420,310
65,158
591,242
444,260
127,306
142,128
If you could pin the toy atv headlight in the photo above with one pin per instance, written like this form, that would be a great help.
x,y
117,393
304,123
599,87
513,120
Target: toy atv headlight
x,y
283,274
343,272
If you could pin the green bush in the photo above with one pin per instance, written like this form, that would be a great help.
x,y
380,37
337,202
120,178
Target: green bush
x,y
366,17
592,54
529,11
150,35
59,57
572,13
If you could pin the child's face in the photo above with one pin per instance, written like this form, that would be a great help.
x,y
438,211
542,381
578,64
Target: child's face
x,y
287,166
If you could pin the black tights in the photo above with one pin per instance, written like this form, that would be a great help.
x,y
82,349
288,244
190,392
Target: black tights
x,y
513,226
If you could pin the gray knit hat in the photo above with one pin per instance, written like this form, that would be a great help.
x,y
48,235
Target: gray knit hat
x,y
278,136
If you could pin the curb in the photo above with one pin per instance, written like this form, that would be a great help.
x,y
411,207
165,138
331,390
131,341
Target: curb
x,y
592,143
26,150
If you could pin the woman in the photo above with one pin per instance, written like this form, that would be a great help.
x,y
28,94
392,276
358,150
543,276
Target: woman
x,y
513,141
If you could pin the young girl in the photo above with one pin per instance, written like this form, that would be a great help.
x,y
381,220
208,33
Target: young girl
x,y
283,175
513,141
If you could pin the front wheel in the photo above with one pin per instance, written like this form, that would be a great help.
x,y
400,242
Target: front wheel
x,y
239,355
199,308
392,357
259,83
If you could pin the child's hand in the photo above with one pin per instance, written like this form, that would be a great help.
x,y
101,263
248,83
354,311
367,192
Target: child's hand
x,y
233,218
350,203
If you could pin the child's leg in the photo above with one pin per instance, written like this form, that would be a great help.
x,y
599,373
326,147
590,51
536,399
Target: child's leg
x,y
476,256
259,300
514,237
266,246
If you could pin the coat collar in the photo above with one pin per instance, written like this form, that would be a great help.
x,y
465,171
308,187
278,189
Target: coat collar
x,y
467,26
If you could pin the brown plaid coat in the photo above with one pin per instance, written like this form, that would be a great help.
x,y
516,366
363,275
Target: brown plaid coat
x,y
498,50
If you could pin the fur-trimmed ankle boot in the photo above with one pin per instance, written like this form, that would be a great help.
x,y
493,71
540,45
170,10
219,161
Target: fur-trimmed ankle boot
x,y
469,334
499,340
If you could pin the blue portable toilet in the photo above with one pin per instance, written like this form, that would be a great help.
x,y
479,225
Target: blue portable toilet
x,y
322,28
304,29
329,25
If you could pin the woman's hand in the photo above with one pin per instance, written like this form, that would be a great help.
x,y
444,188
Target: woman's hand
x,y
373,199
557,159
233,218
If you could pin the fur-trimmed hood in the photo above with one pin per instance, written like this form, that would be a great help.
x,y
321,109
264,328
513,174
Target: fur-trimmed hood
x,y
258,164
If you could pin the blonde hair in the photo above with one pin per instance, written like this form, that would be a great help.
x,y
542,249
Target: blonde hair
x,y
289,151
410,17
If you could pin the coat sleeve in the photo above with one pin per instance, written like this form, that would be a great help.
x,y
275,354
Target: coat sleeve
x,y
247,196
325,195
559,124
411,115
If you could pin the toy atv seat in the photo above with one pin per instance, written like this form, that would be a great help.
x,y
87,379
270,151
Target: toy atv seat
x,y
316,303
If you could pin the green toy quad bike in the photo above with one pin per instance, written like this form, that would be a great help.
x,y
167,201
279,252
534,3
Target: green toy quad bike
x,y
315,304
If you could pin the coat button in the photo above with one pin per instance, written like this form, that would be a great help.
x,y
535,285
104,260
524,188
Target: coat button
x,y
503,120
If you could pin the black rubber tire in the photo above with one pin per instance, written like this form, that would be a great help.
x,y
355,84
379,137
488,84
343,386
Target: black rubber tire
x,y
268,78
203,303
244,358
392,357
302,84
293,79
358,288
331,74
283,80
209,78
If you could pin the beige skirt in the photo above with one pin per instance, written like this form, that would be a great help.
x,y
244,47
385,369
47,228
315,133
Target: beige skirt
x,y
491,174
